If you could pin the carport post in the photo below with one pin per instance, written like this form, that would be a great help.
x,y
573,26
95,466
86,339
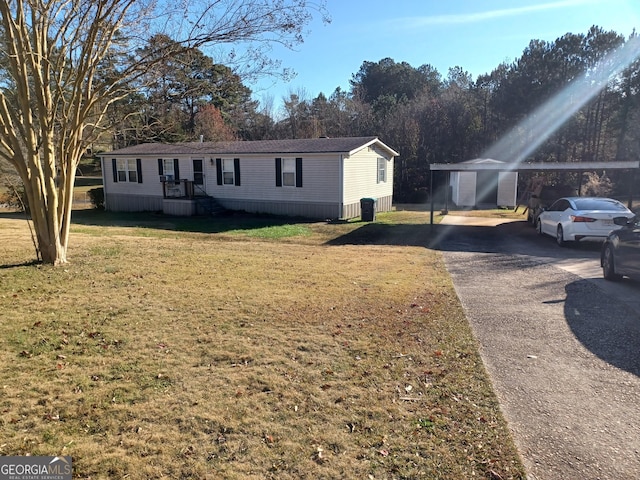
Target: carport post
x,y
632,183
446,194
431,193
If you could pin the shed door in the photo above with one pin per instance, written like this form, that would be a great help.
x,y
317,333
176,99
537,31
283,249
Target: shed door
x,y
487,187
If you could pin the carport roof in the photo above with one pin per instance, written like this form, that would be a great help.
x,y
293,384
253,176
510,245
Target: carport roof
x,y
475,165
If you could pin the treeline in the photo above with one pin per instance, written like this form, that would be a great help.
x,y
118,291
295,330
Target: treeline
x,y
427,117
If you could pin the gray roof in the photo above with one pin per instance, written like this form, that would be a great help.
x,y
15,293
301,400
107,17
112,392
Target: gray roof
x,y
345,145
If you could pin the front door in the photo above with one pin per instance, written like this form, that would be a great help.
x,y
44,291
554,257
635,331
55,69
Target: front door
x,y
198,177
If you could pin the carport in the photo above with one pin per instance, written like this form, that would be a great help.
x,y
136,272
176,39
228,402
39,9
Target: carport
x,y
580,167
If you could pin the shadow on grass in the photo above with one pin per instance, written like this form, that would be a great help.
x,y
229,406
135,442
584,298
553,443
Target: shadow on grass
x,y
14,215
222,223
30,263
88,181
438,237
517,238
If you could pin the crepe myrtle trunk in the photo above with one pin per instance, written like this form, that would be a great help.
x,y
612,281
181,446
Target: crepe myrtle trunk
x,y
49,189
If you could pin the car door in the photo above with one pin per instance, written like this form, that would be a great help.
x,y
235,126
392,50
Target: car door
x,y
553,216
628,255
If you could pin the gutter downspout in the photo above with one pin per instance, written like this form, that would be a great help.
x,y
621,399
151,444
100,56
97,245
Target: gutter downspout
x,y
431,195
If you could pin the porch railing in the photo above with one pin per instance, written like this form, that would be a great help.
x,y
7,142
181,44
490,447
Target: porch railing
x,y
181,189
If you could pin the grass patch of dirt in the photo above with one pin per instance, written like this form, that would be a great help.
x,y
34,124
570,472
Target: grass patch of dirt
x,y
161,353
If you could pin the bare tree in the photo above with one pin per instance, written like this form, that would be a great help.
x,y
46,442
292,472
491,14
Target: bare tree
x,y
64,62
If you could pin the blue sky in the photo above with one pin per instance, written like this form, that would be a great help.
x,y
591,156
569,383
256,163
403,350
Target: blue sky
x,y
476,35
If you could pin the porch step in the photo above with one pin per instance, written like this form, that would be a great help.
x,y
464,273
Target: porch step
x,y
208,206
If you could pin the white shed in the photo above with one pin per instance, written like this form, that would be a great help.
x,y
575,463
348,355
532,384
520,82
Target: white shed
x,y
484,187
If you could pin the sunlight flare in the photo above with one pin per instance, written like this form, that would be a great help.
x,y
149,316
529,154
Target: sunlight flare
x,y
527,136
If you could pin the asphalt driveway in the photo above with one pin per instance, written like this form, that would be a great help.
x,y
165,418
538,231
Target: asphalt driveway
x,y
561,345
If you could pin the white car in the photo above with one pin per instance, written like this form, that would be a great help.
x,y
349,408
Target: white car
x,y
571,219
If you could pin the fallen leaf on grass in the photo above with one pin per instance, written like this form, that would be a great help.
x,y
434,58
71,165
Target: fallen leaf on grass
x,y
319,455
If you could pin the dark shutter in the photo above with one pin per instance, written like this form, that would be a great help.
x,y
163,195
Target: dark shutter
x,y
236,171
298,172
219,170
114,165
160,167
278,172
176,169
139,169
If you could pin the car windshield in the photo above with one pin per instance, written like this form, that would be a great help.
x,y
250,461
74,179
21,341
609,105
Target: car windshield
x,y
599,204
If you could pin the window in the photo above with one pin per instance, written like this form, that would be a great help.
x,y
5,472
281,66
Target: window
x,y
127,170
227,171
382,170
560,206
133,171
122,170
167,168
288,172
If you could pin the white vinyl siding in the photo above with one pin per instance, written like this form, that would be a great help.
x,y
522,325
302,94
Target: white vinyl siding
x,y
151,184
362,173
320,172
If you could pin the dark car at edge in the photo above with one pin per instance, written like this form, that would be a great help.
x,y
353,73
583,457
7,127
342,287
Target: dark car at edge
x,y
620,254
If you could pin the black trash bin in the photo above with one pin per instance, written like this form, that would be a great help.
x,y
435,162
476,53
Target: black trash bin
x,y
368,209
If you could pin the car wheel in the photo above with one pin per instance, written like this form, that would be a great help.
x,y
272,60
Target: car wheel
x,y
608,265
560,237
